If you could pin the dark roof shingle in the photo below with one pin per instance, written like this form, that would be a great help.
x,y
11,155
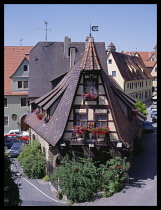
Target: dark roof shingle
x,y
131,67
64,94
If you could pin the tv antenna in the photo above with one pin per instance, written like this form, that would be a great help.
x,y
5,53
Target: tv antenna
x,y
46,29
20,42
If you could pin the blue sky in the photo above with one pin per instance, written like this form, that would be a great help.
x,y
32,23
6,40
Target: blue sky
x,y
130,27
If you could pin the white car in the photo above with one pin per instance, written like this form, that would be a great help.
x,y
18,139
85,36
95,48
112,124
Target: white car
x,y
25,133
18,132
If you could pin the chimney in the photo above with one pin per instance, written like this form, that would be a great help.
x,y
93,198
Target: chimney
x,y
72,56
66,46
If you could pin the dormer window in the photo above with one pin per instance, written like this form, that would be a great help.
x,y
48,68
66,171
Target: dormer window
x,y
25,68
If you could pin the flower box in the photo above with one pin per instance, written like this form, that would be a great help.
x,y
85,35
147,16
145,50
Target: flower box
x,y
45,119
100,130
79,132
89,96
39,116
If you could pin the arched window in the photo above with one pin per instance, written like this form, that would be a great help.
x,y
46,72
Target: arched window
x,y
25,68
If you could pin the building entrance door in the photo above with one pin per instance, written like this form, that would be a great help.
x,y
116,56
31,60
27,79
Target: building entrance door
x,y
24,126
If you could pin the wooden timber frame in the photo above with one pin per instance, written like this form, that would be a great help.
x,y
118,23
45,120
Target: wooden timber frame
x,y
86,143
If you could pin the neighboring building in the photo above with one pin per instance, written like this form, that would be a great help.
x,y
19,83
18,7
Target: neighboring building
x,y
111,47
131,74
150,61
64,106
16,73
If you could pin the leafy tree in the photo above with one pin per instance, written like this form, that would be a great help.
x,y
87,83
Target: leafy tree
x,y
141,107
33,161
11,188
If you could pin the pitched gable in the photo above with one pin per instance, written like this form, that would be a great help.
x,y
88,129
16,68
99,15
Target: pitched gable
x,y
20,70
13,56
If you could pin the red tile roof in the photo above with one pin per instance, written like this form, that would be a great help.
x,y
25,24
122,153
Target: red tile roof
x,y
145,57
111,45
13,56
90,59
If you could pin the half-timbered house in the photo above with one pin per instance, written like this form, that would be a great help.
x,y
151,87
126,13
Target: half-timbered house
x,y
87,97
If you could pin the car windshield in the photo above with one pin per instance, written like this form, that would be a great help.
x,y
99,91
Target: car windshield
x,y
147,123
15,148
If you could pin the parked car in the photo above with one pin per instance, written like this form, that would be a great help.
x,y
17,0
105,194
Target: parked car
x,y
17,132
154,117
8,142
153,110
18,136
154,105
25,133
24,138
15,149
10,135
148,127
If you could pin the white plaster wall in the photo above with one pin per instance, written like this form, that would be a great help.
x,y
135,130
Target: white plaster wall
x,y
111,125
103,100
101,89
43,143
90,114
80,89
113,67
78,100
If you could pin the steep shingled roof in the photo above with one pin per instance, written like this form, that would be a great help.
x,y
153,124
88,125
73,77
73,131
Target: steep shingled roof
x,y
131,67
53,130
47,62
62,97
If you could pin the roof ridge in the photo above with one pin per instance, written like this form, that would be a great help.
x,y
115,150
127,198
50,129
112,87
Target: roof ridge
x,y
90,60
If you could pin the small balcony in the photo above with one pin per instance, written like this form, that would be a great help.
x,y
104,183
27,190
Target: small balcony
x,y
89,139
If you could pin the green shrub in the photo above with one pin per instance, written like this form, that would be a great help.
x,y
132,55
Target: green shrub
x,y
80,180
33,161
113,174
46,178
142,107
77,180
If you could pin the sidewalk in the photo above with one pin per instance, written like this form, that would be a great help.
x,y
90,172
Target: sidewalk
x,y
46,188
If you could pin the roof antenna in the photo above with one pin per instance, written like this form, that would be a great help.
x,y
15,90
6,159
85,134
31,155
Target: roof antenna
x,y
90,34
20,42
46,29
